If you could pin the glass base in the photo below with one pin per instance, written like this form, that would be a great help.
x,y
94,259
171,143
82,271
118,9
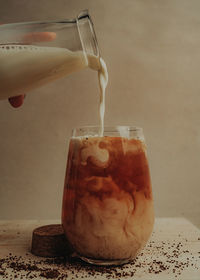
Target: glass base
x,y
103,262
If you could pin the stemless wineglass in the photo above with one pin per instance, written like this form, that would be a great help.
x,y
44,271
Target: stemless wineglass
x,y
107,212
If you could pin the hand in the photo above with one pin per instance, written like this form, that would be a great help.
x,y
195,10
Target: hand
x,y
17,101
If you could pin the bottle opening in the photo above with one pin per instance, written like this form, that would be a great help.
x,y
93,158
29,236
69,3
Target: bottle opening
x,y
87,34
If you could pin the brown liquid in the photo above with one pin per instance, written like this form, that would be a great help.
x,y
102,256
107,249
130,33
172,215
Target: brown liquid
x,y
107,203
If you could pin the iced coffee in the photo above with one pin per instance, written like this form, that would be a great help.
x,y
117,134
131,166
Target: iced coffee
x,y
107,210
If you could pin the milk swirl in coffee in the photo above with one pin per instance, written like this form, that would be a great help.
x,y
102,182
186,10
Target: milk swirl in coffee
x,y
107,203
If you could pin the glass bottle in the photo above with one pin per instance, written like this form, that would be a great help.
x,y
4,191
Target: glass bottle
x,y
107,212
35,53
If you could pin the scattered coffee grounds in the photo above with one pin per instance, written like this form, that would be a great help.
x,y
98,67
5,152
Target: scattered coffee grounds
x,y
2,272
157,258
50,274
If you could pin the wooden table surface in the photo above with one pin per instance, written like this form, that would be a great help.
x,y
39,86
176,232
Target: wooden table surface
x,y
173,252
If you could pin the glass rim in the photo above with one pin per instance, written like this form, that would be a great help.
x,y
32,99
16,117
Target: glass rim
x,y
123,131
84,14
114,128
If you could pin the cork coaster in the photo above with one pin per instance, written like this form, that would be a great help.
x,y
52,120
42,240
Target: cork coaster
x,y
50,241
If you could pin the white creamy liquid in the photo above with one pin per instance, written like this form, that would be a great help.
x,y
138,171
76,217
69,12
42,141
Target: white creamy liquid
x,y
26,67
103,81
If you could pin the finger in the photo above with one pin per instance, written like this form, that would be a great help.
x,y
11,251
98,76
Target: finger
x,y
39,37
17,101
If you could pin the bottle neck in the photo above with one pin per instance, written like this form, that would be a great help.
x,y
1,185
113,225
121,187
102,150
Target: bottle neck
x,y
87,35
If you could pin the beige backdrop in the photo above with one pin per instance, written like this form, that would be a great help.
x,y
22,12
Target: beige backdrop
x,y
152,49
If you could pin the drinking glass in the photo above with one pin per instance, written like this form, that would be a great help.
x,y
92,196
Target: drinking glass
x,y
107,211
